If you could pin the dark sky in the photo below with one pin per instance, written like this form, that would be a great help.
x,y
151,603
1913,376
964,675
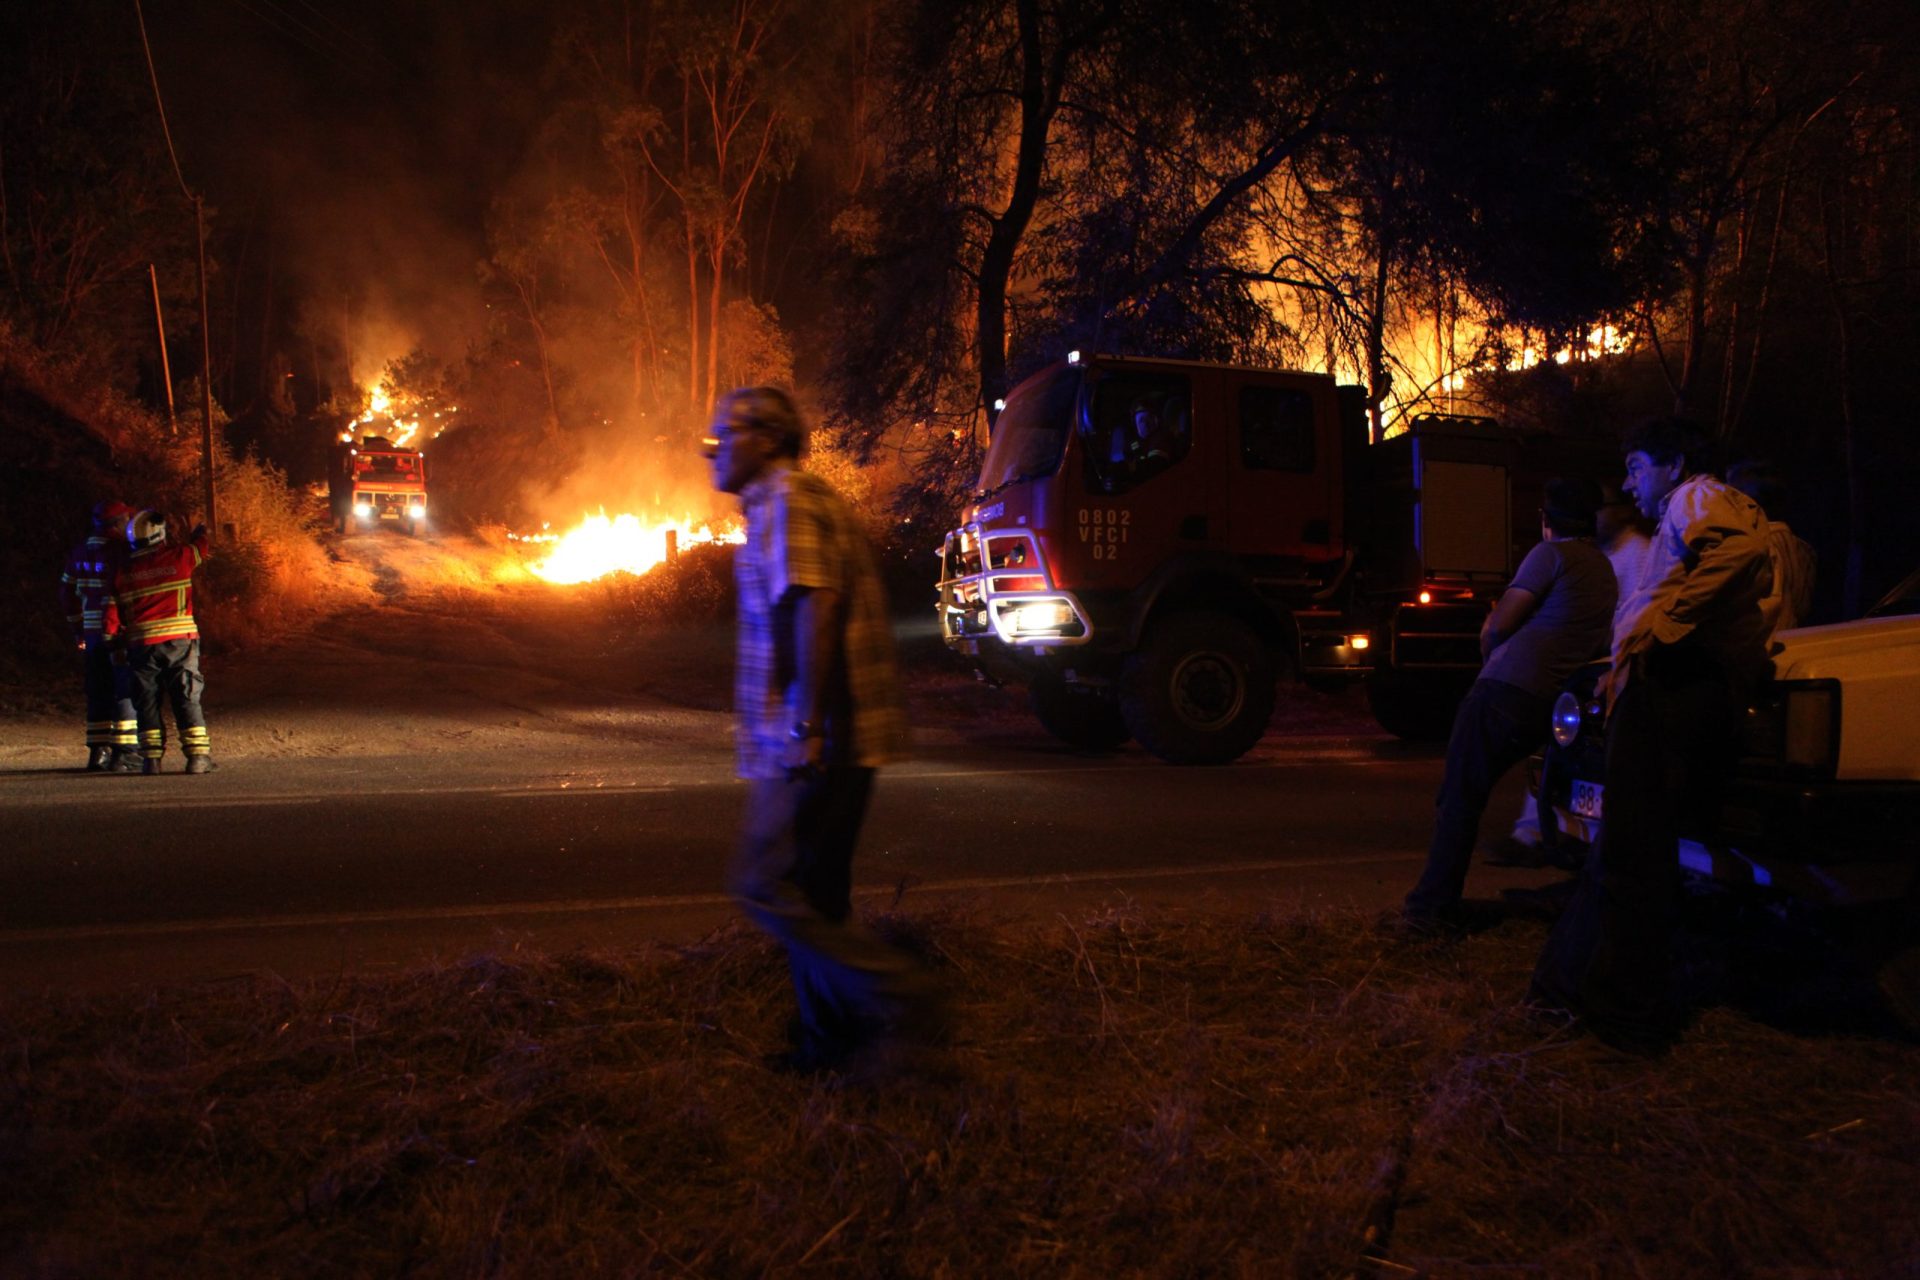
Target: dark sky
x,y
357,142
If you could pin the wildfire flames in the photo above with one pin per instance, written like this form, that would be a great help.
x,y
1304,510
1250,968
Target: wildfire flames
x,y
602,544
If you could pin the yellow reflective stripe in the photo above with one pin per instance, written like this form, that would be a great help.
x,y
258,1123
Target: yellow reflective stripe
x,y
126,725
166,628
171,584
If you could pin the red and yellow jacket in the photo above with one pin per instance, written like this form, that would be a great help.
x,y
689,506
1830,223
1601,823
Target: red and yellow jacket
x,y
154,591
85,594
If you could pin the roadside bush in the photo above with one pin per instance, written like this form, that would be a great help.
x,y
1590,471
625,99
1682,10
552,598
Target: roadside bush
x,y
694,587
67,443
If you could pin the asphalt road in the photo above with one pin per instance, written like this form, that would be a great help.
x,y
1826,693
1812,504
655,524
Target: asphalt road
x,y
392,792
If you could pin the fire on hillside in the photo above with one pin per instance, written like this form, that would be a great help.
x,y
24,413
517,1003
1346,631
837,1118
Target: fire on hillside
x,y
602,544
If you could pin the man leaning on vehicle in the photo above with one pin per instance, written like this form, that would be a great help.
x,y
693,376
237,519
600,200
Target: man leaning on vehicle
x,y
1689,645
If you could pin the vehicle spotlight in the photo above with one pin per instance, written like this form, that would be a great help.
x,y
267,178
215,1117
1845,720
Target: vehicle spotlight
x,y
363,509
1566,719
1359,642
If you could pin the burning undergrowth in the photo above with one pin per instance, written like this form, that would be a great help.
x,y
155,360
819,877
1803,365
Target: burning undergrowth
x,y
1126,1094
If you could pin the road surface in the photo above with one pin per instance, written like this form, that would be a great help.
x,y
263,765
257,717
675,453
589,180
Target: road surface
x,y
466,767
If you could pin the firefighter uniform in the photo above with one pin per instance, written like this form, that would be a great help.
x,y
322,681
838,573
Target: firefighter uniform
x,y
153,588
89,606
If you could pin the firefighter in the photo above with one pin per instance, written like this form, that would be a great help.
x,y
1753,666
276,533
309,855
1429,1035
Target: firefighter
x,y
90,610
153,587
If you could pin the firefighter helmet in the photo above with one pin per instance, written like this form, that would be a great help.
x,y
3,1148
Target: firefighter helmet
x,y
106,513
147,529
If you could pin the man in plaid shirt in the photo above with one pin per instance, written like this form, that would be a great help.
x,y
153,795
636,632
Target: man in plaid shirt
x,y
818,703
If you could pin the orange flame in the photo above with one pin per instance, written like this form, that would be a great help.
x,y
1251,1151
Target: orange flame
x,y
602,544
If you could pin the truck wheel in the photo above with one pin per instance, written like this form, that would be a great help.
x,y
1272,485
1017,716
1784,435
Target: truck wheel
x,y
1079,715
1199,690
1419,708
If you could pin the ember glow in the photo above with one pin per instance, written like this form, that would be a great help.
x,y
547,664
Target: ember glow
x,y
602,544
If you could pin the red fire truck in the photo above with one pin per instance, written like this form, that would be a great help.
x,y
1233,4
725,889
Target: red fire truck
x,y
1153,543
377,480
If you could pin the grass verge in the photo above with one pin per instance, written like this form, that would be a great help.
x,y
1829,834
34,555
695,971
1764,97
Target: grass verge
x,y
1128,1094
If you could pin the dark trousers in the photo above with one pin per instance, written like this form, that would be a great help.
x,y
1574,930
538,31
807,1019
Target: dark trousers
x,y
171,667
792,875
1498,725
1671,740
111,720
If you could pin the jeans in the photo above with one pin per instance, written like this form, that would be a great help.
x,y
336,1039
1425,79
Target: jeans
x,y
792,875
1671,740
1498,725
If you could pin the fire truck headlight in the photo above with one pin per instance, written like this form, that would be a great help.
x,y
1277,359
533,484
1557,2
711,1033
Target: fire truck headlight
x,y
363,509
1034,618
418,510
1566,719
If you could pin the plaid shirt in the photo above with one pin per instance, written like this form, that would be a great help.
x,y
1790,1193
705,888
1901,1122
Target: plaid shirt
x,y
801,535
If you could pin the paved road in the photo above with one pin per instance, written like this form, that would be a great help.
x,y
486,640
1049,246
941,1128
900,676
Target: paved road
x,y
463,767
367,862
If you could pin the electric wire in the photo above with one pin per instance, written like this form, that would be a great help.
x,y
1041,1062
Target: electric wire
x,y
160,103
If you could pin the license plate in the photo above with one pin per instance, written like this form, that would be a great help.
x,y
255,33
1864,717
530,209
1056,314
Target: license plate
x,y
1587,799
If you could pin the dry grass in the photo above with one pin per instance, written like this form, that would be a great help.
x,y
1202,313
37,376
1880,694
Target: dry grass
x,y
1127,1095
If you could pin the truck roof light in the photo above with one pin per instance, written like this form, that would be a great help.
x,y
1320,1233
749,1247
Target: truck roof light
x,y
1073,357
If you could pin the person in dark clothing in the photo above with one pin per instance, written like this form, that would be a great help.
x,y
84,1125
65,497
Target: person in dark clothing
x,y
88,601
1552,620
1688,648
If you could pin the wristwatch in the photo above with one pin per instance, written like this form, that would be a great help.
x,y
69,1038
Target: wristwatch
x,y
804,729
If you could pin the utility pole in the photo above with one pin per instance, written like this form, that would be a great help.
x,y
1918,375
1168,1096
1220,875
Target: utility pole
x,y
166,366
206,365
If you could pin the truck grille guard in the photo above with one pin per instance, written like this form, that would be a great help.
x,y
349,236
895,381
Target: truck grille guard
x,y
995,583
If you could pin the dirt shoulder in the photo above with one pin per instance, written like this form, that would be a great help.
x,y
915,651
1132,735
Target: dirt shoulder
x,y
1127,1093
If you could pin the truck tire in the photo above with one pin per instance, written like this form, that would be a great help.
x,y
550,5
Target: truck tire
x,y
1418,708
1078,715
1199,690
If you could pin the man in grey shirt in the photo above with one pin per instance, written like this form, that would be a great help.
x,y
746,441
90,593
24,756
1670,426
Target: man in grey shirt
x,y
1554,618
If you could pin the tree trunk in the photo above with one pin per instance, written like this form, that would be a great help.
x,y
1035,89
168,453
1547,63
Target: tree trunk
x,y
1037,105
1379,380
1853,590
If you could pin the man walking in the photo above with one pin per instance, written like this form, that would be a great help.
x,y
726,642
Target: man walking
x,y
1552,620
1687,650
153,588
818,704
90,610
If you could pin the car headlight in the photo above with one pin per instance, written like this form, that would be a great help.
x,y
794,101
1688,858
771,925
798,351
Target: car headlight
x,y
1567,715
363,508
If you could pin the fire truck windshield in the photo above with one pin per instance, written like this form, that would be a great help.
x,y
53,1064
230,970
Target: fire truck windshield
x,y
1030,436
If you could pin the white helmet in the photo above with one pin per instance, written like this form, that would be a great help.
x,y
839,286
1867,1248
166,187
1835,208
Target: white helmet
x,y
146,529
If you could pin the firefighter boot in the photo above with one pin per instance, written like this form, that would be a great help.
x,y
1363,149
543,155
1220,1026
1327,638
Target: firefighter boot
x,y
99,759
125,760
199,751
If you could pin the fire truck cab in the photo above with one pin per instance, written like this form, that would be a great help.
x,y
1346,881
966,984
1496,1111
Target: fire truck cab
x,y
1153,543
376,480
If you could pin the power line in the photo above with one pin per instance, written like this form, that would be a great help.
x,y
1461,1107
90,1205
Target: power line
x,y
159,103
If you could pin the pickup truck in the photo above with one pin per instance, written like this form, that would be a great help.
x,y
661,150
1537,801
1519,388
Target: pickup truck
x,y
1824,803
